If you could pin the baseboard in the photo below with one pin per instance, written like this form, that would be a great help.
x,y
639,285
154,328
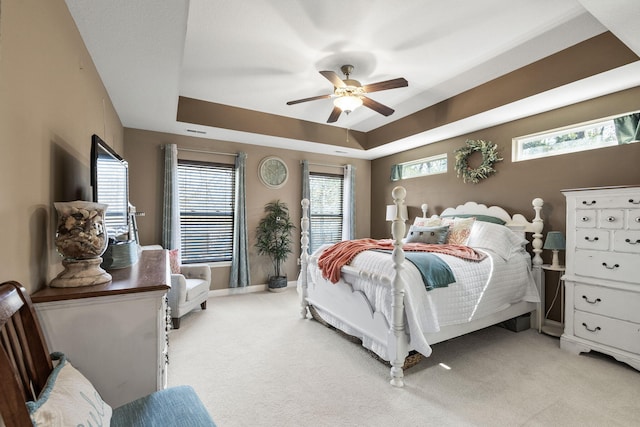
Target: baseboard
x,y
245,290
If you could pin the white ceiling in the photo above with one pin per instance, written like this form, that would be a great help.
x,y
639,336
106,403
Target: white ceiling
x,y
260,54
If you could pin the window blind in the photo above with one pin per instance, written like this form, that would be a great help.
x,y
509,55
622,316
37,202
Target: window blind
x,y
325,213
112,175
206,211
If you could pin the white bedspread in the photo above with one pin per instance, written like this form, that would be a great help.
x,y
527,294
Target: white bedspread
x,y
481,288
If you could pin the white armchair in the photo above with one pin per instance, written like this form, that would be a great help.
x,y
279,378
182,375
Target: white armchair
x,y
189,289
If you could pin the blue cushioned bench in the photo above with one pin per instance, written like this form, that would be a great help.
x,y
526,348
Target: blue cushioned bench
x,y
175,406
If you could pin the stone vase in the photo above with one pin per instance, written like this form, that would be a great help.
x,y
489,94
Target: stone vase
x,y
81,239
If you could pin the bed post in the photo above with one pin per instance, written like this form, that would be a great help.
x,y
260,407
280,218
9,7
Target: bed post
x,y
398,340
304,257
536,262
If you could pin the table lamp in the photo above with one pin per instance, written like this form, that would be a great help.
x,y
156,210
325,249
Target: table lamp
x,y
554,242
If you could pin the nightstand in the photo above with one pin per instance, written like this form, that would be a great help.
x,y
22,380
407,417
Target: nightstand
x,y
555,329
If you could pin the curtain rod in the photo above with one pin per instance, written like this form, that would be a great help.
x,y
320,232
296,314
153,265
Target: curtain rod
x,y
325,164
208,152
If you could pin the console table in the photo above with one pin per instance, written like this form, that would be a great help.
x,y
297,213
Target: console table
x,y
114,333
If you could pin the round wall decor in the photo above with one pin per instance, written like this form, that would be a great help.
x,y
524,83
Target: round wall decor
x,y
273,172
489,152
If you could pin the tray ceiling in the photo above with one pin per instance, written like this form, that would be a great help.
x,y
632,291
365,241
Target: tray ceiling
x,y
255,56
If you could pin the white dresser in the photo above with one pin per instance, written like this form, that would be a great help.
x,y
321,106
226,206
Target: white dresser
x,y
115,333
602,280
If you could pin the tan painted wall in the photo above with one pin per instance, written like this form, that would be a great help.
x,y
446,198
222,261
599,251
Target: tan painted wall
x,y
51,101
516,184
145,157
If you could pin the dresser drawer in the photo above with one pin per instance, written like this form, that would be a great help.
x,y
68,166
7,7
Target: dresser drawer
x,y
591,238
586,218
607,302
611,219
627,241
607,331
608,265
600,202
633,219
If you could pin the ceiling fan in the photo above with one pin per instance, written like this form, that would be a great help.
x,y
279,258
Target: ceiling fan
x,y
349,94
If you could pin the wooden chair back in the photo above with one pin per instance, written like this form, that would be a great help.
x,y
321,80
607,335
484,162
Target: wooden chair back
x,y
25,363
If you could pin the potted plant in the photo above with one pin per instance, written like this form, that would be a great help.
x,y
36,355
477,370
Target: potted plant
x,y
273,238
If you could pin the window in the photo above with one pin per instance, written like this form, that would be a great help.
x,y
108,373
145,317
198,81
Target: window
x,y
618,130
112,174
421,167
110,182
325,213
207,192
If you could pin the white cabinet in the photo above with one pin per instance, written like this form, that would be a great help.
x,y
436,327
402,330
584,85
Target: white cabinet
x,y
115,334
602,281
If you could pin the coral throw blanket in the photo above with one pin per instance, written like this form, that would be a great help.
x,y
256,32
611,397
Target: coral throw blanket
x,y
339,254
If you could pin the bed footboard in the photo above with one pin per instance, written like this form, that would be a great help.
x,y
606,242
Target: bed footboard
x,y
304,258
397,342
398,345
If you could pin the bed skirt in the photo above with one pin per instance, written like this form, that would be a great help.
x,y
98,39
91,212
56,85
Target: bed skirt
x,y
411,360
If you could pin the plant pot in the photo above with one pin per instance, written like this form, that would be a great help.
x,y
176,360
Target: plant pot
x,y
277,283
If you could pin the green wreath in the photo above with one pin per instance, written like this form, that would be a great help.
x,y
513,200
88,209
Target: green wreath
x,y
489,152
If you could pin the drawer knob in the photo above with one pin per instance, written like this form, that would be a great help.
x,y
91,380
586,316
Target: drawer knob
x,y
596,329
589,239
637,219
595,301
614,266
585,219
634,202
632,243
611,218
587,203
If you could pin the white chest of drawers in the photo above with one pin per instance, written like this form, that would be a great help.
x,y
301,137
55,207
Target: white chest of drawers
x,y
114,333
602,279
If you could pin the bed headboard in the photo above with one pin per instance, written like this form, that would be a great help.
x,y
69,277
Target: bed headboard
x,y
518,223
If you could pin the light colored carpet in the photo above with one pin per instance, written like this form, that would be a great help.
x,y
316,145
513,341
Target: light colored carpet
x,y
255,362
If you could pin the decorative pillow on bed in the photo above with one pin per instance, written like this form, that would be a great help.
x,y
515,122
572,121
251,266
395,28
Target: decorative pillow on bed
x,y
434,221
68,399
484,218
459,230
497,238
431,235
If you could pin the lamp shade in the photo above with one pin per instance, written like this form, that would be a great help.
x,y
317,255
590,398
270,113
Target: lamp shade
x,y
347,103
391,212
554,241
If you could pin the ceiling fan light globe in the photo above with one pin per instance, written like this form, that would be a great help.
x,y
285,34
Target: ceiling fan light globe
x,y
347,103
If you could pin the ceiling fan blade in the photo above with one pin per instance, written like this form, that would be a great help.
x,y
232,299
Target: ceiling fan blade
x,y
313,98
387,84
333,78
335,113
376,106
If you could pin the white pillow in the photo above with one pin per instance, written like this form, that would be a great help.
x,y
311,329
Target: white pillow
x,y
68,399
434,221
496,238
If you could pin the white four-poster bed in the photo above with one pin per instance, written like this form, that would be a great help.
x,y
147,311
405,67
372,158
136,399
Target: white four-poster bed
x,y
380,302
